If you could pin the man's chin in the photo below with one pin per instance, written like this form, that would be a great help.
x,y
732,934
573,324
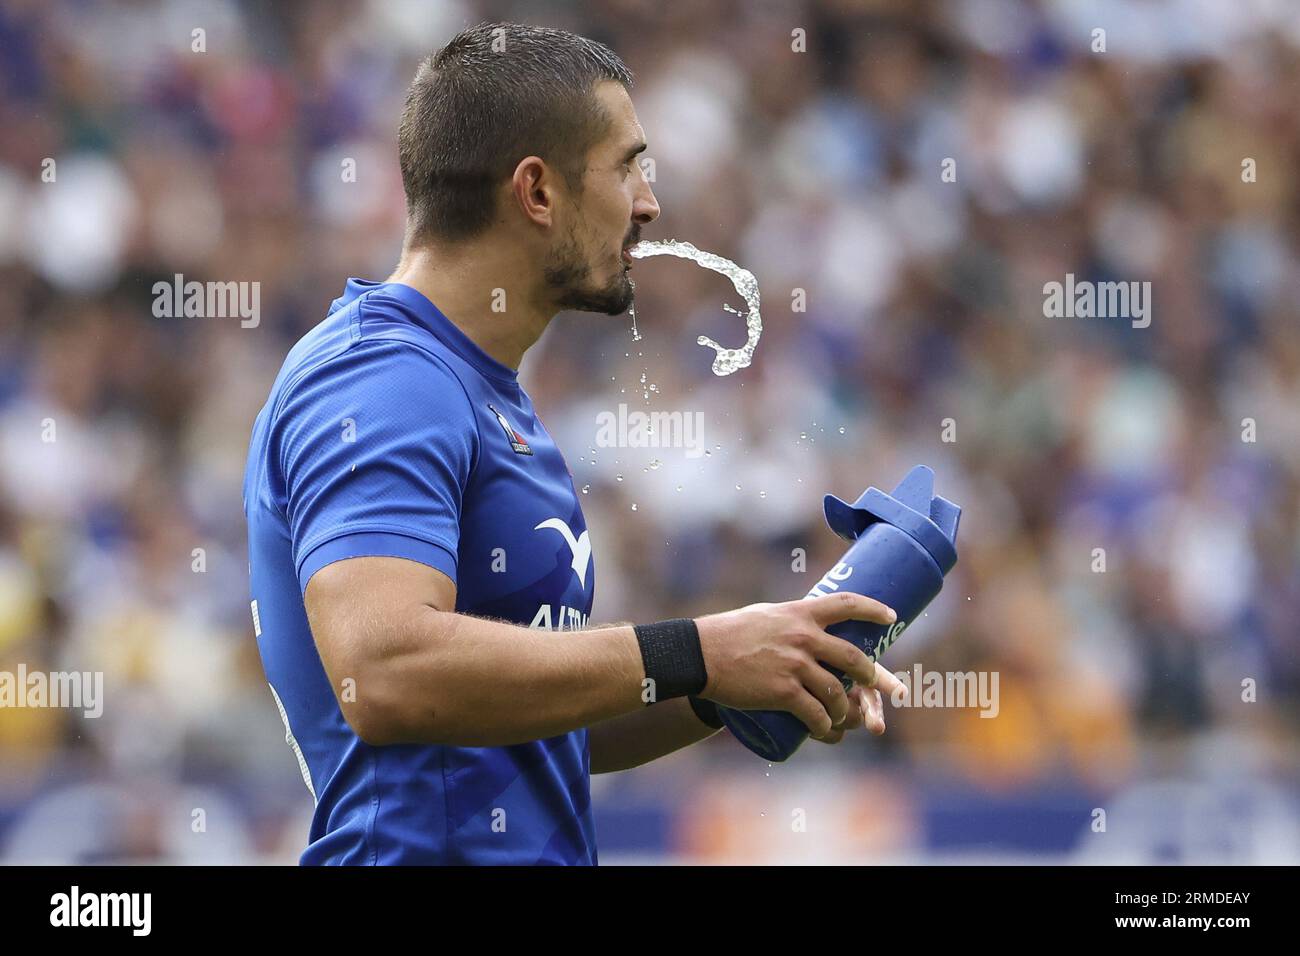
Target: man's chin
x,y
623,302
614,301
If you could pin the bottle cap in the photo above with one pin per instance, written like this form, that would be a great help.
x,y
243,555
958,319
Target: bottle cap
x,y
912,507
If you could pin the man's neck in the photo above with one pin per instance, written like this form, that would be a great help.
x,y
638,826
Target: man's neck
x,y
483,295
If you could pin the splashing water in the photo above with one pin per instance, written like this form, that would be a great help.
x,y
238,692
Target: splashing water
x,y
727,360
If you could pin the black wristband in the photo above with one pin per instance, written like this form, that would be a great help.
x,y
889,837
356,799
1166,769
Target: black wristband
x,y
706,710
670,652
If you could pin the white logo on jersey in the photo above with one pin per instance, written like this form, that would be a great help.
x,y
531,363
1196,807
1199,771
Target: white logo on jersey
x,y
581,547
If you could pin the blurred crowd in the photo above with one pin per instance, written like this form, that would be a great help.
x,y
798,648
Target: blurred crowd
x,y
902,178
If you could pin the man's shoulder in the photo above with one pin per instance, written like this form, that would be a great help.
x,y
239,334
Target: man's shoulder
x,y
356,349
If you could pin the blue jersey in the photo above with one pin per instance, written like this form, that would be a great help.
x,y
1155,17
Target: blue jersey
x,y
389,432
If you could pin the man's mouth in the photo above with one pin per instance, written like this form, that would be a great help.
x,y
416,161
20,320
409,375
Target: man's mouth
x,y
627,255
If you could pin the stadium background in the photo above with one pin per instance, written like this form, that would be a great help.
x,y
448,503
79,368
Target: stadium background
x,y
818,171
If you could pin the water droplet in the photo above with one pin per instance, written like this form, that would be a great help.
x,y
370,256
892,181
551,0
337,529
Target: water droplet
x,y
586,489
634,506
762,494
841,429
654,464
679,488
618,477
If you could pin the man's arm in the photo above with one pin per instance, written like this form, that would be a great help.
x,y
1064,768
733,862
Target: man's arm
x,y
425,674
635,739
631,740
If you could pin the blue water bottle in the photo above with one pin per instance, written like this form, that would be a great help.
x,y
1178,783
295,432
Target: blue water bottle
x,y
903,545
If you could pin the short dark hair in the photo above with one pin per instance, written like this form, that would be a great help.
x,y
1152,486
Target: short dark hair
x,y
494,94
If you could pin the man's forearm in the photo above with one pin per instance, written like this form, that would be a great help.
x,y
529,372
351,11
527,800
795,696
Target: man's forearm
x,y
634,739
472,682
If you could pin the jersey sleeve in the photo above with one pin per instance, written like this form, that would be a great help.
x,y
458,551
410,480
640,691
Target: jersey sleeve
x,y
375,449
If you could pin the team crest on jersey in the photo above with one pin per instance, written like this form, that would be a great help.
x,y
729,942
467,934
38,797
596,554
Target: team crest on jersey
x,y
517,442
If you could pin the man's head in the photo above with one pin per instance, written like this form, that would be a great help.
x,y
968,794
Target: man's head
x,y
529,132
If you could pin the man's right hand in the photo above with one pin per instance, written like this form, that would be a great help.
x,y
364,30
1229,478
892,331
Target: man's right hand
x,y
766,657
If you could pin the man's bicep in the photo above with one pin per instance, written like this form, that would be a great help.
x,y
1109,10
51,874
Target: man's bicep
x,y
351,604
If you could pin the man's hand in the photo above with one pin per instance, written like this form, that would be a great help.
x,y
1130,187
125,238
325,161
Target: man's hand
x,y
769,657
866,708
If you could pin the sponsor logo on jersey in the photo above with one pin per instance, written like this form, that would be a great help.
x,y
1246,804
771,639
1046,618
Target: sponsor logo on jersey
x,y
579,547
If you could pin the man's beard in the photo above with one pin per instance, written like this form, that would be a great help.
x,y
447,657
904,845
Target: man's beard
x,y
568,272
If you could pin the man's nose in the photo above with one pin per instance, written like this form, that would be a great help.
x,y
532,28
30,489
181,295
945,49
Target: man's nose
x,y
645,209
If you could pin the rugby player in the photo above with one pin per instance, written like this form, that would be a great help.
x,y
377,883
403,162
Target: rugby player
x,y
421,572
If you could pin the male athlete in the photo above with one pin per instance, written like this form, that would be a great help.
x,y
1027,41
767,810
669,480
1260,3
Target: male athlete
x,y
421,571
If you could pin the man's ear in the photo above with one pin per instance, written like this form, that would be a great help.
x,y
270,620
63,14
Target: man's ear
x,y
534,190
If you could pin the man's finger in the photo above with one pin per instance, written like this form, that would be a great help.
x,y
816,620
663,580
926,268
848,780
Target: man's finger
x,y
846,606
857,710
840,654
888,684
875,711
844,656
826,687
810,711
869,704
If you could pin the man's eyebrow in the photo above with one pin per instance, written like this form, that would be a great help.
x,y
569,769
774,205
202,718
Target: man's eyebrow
x,y
633,151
